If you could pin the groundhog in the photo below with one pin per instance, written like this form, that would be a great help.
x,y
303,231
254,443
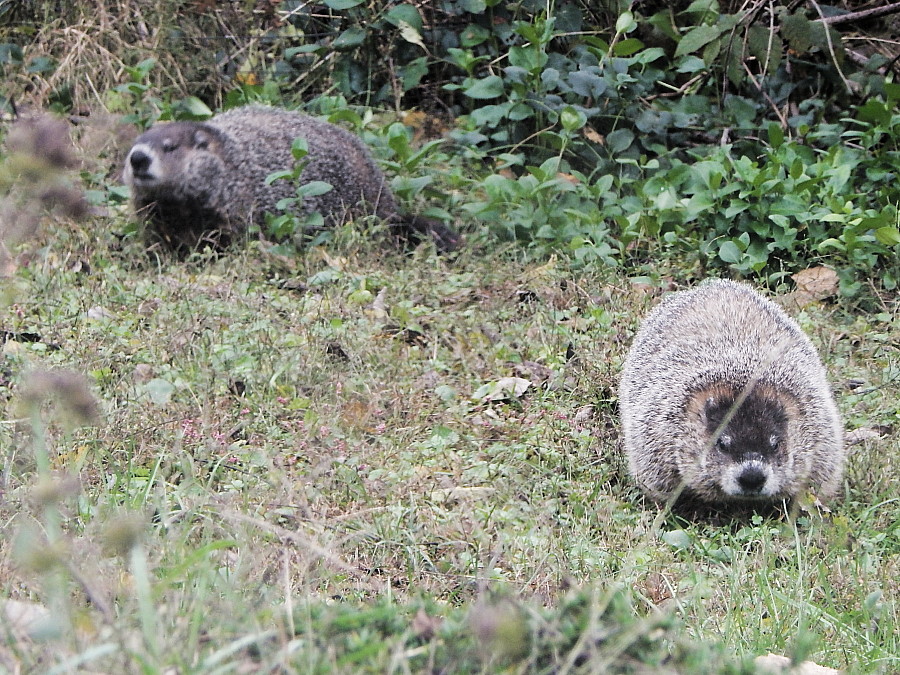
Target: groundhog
x,y
195,182
723,399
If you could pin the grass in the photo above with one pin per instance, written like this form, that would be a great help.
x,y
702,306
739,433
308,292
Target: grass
x,y
365,460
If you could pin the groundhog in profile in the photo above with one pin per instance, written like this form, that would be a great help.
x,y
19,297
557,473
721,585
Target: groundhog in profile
x,y
724,397
197,182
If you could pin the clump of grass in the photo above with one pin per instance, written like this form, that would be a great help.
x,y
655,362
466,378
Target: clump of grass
x,y
324,438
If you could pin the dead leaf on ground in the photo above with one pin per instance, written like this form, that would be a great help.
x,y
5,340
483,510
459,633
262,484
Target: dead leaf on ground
x,y
584,414
503,389
592,135
813,284
536,372
862,434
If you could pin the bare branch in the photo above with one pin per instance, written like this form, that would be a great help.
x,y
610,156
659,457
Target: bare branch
x,y
892,8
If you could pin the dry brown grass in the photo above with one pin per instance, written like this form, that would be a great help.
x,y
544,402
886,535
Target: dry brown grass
x,y
197,46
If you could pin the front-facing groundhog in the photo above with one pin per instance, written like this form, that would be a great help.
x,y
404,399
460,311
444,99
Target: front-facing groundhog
x,y
197,182
724,397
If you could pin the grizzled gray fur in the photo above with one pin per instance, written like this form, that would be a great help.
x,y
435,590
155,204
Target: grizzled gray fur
x,y
206,181
724,397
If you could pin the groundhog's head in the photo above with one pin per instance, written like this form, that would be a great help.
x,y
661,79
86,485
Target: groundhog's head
x,y
175,160
746,451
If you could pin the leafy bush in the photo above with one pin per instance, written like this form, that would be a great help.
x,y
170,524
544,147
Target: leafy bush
x,y
724,134
778,196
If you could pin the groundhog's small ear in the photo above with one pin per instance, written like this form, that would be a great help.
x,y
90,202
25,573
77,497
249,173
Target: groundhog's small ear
x,y
202,139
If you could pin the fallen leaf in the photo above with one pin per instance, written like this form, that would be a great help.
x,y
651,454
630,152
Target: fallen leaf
x,y
99,313
503,389
537,372
860,435
813,284
591,134
819,282
584,414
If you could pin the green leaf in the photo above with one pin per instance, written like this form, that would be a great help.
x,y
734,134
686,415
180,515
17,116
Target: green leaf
x,y
795,28
489,115
350,38
874,111
11,53
678,539
625,23
572,119
587,83
488,87
711,51
696,39
664,22
528,58
776,135
278,175
735,208
314,188
445,392
473,6
41,64
734,65
691,64
620,140
765,46
831,243
729,252
473,35
649,55
299,148
302,49
413,72
628,47
741,110
159,390
342,4
889,236
408,14
195,107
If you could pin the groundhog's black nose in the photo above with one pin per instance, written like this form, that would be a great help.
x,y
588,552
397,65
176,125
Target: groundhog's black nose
x,y
140,161
752,479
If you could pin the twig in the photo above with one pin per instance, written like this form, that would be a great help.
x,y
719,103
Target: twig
x,y
893,8
834,60
862,60
778,113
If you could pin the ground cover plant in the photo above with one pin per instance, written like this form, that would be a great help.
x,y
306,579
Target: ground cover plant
x,y
359,460
338,456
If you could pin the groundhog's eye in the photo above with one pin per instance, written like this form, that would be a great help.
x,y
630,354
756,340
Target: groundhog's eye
x,y
169,146
774,441
723,443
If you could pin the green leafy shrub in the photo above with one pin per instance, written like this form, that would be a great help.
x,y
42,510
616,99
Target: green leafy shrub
x,y
716,132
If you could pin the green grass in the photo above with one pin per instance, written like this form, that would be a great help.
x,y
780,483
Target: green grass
x,y
302,465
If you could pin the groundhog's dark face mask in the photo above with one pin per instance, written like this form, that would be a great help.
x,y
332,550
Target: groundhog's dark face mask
x,y
748,443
